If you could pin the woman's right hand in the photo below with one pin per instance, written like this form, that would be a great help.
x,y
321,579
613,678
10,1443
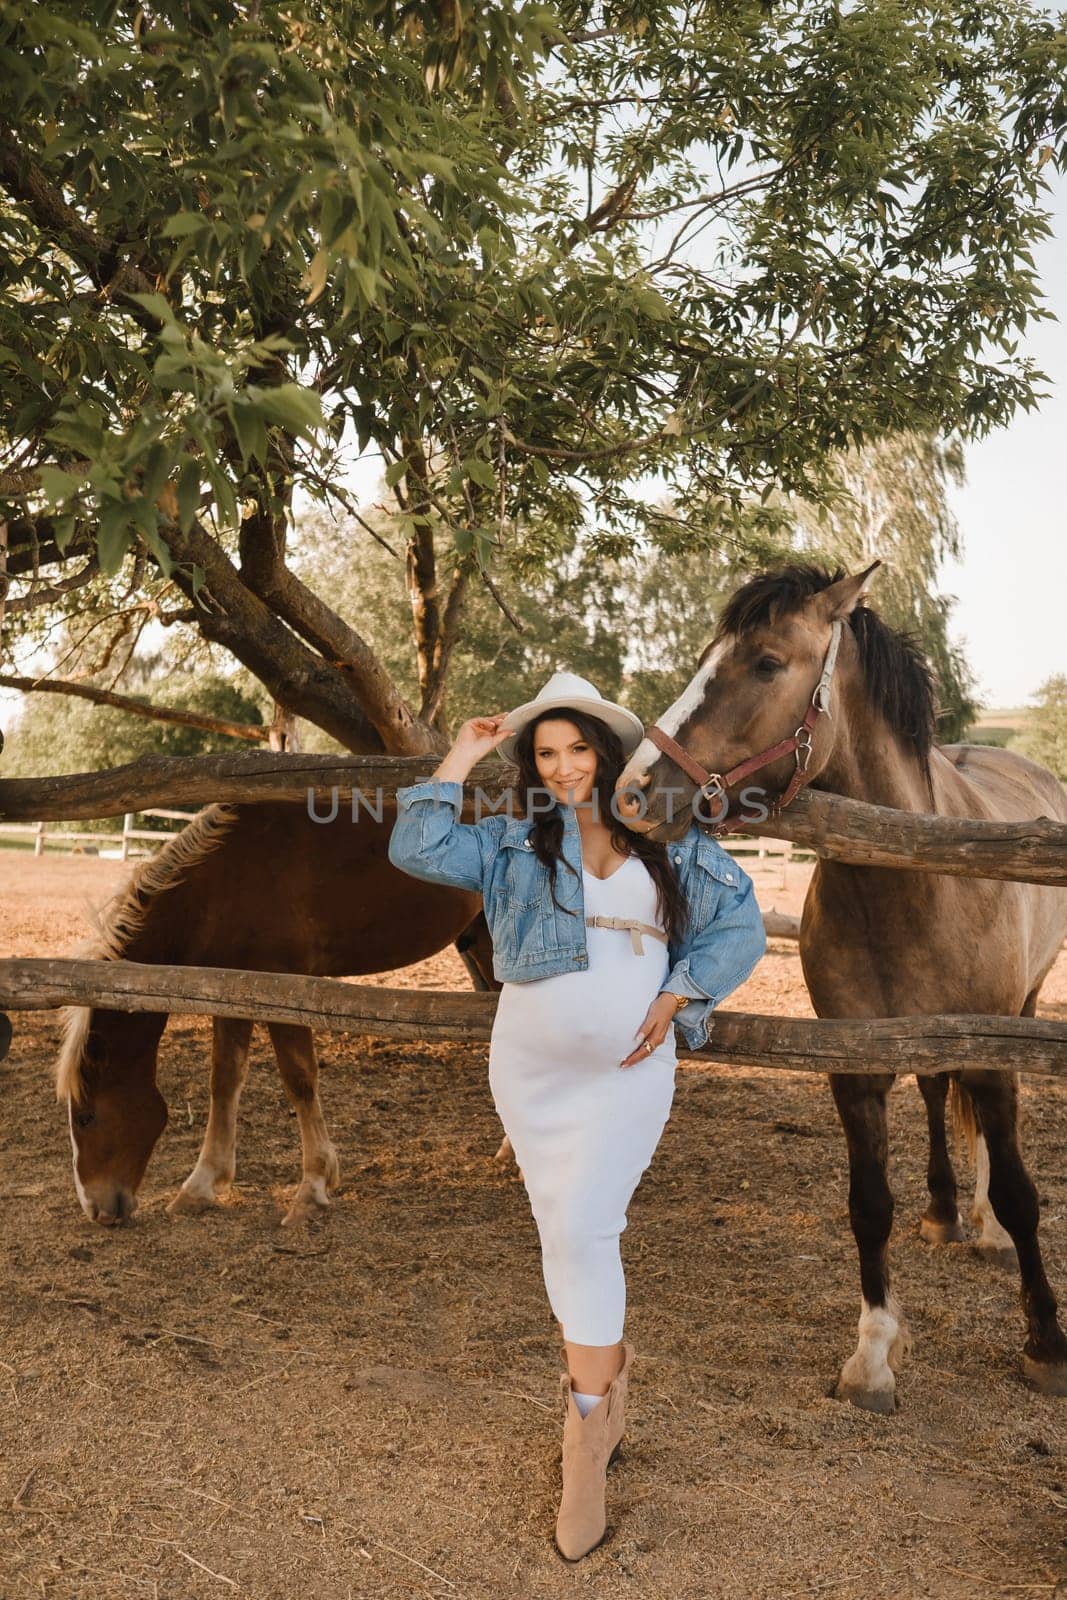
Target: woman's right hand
x,y
475,739
479,735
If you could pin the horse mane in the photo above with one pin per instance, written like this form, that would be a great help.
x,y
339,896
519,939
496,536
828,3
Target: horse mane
x,y
123,917
898,678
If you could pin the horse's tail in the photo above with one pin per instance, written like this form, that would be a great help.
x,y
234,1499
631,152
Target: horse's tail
x,y
961,1110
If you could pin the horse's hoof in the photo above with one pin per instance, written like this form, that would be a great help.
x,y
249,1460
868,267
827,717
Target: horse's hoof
x,y
308,1205
901,1348
881,1401
1047,1377
999,1255
941,1232
189,1202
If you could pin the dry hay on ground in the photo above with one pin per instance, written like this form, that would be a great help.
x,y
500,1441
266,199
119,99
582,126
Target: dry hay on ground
x,y
209,1407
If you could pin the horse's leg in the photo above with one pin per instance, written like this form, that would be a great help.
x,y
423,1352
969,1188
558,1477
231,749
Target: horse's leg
x,y
940,1222
867,1377
216,1162
299,1068
1014,1201
475,947
993,1241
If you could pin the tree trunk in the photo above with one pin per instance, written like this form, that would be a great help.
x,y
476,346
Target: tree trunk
x,y
254,732
283,731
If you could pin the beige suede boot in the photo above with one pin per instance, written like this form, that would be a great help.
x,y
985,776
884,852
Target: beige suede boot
x,y
590,1444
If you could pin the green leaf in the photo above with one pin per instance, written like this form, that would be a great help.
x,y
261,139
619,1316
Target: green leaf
x,y
367,279
226,513
63,530
145,516
480,472
440,166
288,406
59,486
156,305
157,468
113,534
186,222
188,493
251,433
394,472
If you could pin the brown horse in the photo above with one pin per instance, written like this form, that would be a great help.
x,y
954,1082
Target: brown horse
x,y
878,942
268,889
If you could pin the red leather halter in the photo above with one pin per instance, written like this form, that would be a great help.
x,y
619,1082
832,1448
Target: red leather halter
x,y
713,785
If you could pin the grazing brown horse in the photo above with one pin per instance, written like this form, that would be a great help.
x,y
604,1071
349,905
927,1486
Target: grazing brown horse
x,y
796,649
267,889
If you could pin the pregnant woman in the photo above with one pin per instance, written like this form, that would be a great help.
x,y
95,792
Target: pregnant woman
x,y
603,939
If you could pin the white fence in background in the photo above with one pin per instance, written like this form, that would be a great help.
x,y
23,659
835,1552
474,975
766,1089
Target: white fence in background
x,y
134,841
111,846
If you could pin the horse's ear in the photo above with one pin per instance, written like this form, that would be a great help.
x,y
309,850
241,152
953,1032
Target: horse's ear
x,y
842,597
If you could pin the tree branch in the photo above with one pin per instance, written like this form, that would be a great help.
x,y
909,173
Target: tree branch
x,y
422,568
48,593
502,603
611,209
233,615
264,571
31,544
433,700
255,733
25,180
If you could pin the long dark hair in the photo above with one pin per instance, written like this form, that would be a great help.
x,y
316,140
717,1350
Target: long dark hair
x,y
546,833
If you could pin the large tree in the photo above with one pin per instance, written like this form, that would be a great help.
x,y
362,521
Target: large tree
x,y
1045,736
529,255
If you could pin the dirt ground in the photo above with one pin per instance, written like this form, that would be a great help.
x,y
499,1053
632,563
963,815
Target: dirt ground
x,y
197,1407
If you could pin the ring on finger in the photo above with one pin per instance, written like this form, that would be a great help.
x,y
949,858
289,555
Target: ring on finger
x,y
649,1046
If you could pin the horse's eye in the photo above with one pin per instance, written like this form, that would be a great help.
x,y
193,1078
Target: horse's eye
x,y
85,1119
767,666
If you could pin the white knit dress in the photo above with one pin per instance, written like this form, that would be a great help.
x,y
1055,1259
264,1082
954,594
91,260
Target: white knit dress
x,y
583,1128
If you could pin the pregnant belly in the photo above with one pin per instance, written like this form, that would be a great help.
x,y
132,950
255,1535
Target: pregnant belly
x,y
596,1012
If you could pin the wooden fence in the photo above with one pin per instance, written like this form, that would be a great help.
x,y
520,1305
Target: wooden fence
x,y
847,830
882,1044
108,844
1034,851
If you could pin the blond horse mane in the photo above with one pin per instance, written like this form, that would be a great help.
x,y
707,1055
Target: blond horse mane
x,y
123,917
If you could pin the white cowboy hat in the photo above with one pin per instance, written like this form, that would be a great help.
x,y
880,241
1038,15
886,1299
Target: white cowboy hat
x,y
567,689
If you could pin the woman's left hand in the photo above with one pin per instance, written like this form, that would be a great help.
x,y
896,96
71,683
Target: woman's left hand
x,y
659,1020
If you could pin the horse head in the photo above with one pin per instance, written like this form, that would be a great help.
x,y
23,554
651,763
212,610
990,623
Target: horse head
x,y
107,1075
757,716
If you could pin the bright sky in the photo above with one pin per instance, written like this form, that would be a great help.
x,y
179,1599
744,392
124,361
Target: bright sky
x,y
1012,581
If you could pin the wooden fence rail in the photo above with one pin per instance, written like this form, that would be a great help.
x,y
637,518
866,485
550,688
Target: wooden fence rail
x,y
42,834
922,1045
847,830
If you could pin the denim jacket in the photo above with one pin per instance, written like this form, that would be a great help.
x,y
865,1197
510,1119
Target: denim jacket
x,y
532,938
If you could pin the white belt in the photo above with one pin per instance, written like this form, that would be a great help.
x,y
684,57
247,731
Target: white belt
x,y
635,930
